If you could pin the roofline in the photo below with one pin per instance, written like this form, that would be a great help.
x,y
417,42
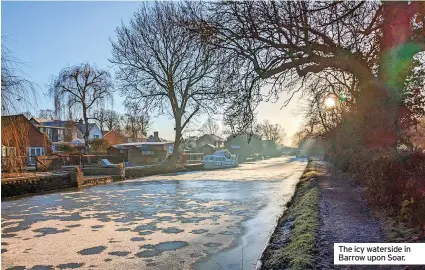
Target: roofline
x,y
37,130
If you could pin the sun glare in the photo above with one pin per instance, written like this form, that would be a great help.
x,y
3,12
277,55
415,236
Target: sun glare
x,y
330,102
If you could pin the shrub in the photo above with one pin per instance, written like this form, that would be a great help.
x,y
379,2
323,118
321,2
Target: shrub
x,y
393,179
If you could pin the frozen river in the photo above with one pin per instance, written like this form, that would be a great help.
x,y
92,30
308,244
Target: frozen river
x,y
217,219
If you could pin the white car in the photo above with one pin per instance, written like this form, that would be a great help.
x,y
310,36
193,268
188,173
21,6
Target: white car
x,y
220,159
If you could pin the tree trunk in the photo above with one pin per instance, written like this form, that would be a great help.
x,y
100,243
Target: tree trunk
x,y
177,141
379,104
86,131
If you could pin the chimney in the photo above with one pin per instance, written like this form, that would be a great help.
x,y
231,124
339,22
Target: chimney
x,y
155,134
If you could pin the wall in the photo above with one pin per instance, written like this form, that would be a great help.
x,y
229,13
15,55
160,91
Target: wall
x,y
17,131
158,169
27,185
113,137
95,131
101,171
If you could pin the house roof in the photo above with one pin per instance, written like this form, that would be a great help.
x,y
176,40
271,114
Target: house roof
x,y
209,145
212,137
138,144
142,143
16,117
82,127
42,122
128,134
152,138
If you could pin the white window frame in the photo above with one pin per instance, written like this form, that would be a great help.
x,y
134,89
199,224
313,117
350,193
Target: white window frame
x,y
7,150
38,151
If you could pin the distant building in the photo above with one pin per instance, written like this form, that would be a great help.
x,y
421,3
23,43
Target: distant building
x,y
190,142
57,130
155,138
207,149
129,137
141,153
211,139
20,139
94,130
114,137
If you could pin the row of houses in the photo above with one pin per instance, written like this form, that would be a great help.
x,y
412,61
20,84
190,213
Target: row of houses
x,y
29,138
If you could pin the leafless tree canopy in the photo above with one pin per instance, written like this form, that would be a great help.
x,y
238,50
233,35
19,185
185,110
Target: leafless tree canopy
x,y
136,120
162,65
106,119
269,131
16,91
46,113
210,127
79,89
290,44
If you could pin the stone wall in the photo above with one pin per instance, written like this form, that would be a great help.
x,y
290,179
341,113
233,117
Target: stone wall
x,y
26,185
37,184
101,171
93,181
158,169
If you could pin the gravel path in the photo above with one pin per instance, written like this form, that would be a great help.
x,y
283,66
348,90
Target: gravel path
x,y
344,217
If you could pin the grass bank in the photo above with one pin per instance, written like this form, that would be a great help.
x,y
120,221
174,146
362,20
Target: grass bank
x,y
293,244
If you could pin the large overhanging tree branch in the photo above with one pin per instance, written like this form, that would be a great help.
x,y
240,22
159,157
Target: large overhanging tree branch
x,y
81,88
162,65
370,40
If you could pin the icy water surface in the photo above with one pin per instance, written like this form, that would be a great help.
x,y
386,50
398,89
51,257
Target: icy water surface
x,y
206,220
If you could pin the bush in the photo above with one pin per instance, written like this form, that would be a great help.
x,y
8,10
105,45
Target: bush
x,y
393,179
99,146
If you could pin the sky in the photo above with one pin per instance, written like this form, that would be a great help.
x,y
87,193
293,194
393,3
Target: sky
x,y
49,36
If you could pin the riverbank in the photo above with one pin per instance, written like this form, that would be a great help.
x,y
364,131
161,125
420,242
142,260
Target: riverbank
x,y
330,207
40,183
293,244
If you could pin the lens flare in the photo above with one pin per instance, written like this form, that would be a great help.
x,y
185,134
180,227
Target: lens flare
x,y
330,102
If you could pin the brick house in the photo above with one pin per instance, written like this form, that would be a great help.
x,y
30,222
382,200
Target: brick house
x,y
20,139
211,139
114,137
141,153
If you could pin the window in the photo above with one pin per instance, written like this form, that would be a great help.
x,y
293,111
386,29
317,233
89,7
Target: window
x,y
61,135
8,151
49,133
221,158
211,158
96,136
34,152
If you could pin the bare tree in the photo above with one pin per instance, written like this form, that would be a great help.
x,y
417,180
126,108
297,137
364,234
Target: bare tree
x,y
107,119
112,120
285,42
210,127
162,65
27,114
81,88
136,120
272,132
47,114
16,90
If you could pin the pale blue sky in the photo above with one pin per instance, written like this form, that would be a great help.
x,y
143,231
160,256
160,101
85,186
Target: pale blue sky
x,y
49,36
